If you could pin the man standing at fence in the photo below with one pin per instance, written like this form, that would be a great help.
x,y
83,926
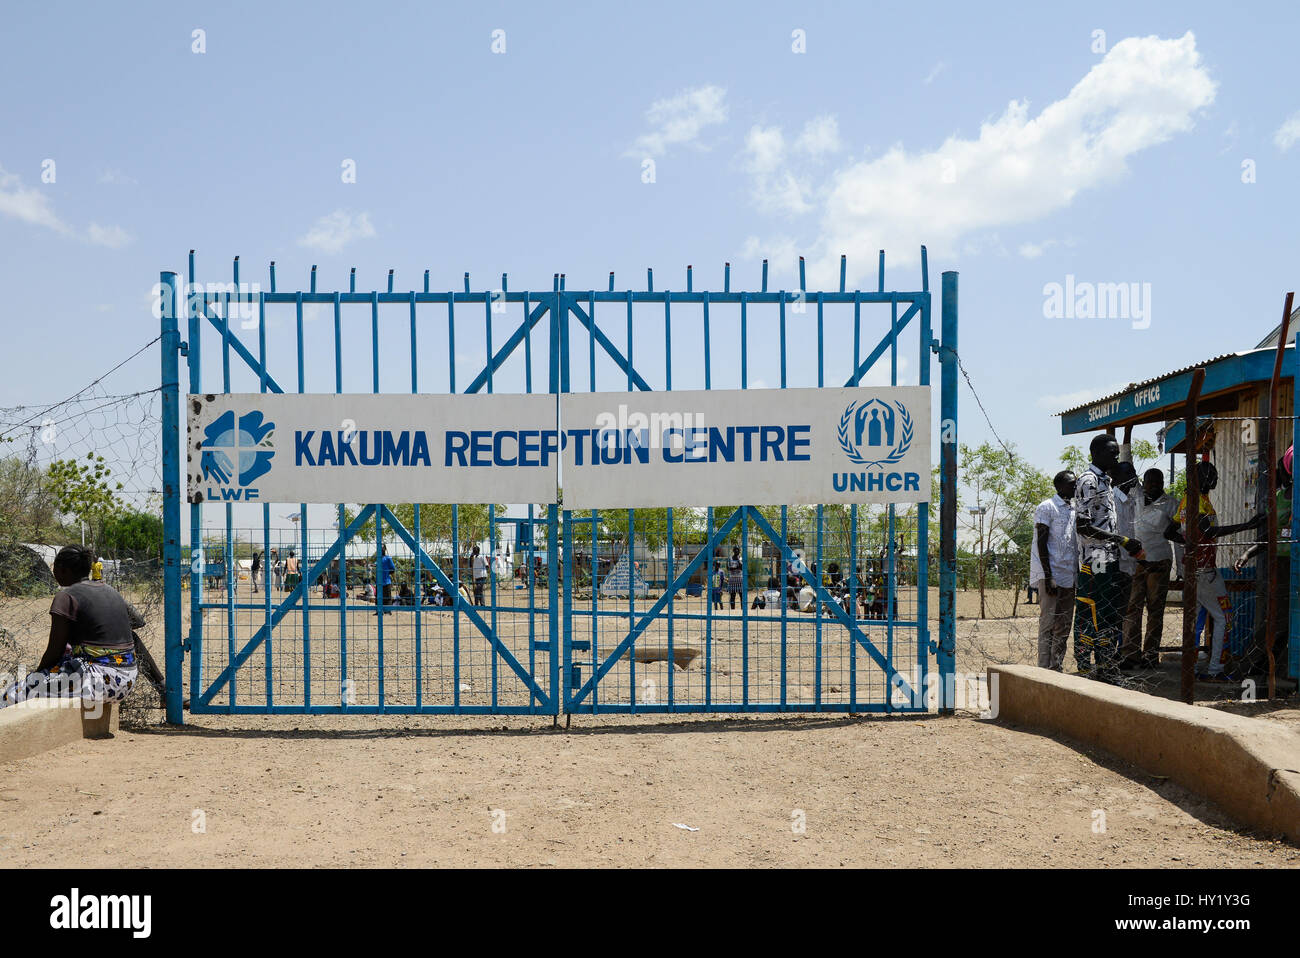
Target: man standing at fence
x,y
1211,593
1282,508
1151,514
1053,569
479,568
735,575
1124,480
1100,596
386,569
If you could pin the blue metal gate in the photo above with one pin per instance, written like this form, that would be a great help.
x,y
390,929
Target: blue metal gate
x,y
546,640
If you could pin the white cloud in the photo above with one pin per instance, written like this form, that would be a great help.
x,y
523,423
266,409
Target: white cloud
x,y
1230,137
32,206
1059,402
117,178
764,149
1019,169
879,373
776,186
334,231
1035,250
774,189
679,120
1288,134
28,204
114,237
820,136
938,68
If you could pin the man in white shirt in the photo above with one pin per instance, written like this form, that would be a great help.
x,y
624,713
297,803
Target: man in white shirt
x,y
1053,569
1152,513
1124,482
479,569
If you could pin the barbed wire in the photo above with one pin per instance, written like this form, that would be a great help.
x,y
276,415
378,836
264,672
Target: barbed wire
x,y
43,413
122,428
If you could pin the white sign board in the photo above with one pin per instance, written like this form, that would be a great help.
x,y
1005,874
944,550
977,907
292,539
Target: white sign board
x,y
753,447
300,447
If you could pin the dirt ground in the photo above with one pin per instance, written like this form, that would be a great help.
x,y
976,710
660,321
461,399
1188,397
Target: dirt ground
x,y
465,791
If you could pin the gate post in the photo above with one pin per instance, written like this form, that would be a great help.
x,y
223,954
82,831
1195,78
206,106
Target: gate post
x,y
1293,644
947,653
171,467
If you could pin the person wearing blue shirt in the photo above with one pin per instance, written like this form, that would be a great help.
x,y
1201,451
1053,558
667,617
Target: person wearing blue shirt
x,y
386,579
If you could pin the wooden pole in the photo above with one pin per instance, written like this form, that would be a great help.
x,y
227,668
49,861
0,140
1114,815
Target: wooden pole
x,y
1191,535
1270,556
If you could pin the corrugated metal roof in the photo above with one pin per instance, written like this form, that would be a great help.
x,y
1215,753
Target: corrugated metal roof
x,y
1146,382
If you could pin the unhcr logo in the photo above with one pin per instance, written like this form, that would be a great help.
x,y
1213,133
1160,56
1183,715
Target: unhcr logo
x,y
876,434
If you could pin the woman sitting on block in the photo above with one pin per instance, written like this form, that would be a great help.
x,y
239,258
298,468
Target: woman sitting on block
x,y
91,652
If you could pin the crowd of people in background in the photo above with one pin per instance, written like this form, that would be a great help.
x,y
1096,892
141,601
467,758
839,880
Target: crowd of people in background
x,y
1103,554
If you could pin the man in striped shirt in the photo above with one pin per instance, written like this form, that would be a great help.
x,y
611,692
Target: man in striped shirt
x,y
1100,595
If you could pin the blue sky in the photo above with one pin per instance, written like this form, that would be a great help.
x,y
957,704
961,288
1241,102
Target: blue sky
x,y
1004,140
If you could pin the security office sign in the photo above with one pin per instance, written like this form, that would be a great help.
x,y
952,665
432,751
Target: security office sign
x,y
755,446
290,447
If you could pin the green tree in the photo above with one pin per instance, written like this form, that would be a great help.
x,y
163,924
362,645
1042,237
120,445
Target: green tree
x,y
1001,485
651,526
85,491
1031,487
28,510
129,530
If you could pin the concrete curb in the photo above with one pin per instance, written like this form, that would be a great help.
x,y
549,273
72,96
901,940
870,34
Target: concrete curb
x,y
1246,766
37,725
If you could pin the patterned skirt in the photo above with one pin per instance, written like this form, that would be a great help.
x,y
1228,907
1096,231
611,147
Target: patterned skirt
x,y
103,678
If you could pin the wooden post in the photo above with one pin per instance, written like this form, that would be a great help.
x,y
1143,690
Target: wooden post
x,y
1270,555
1191,536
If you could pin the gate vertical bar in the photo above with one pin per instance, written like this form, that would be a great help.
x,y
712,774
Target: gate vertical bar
x,y
947,650
559,383
195,364
1293,643
923,509
171,466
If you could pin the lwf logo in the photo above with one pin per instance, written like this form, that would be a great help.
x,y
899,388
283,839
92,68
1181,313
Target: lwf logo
x,y
236,455
875,434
